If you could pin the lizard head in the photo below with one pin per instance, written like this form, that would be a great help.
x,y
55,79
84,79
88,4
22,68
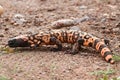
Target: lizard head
x,y
19,41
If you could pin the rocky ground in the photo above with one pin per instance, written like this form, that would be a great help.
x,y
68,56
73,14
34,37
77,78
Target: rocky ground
x,y
30,16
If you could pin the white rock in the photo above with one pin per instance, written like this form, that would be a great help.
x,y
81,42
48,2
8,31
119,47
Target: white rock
x,y
75,28
83,7
116,29
114,7
19,19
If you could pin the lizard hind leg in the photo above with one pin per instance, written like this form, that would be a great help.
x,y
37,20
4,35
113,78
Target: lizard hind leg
x,y
76,47
56,42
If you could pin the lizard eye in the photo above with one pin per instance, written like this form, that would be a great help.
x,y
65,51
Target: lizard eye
x,y
11,42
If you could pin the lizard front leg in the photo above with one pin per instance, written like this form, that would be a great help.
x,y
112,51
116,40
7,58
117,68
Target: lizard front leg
x,y
56,42
106,41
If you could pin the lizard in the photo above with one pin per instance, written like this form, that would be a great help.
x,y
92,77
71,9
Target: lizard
x,y
57,37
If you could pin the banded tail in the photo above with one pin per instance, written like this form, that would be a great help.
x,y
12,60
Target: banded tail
x,y
104,50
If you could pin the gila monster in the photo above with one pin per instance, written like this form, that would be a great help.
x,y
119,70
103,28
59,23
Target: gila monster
x,y
57,37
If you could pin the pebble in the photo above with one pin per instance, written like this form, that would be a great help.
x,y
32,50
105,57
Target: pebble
x,y
114,7
1,10
18,16
118,24
19,19
51,9
103,20
97,24
103,27
116,29
6,19
6,29
83,7
74,28
106,15
1,35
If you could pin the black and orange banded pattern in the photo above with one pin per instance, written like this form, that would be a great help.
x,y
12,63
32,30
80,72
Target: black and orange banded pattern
x,y
104,50
57,37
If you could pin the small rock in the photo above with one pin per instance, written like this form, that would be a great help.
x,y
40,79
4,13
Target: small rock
x,y
18,16
19,19
6,19
118,25
1,35
103,20
106,15
114,7
12,22
75,28
96,24
15,24
103,27
116,29
6,29
51,9
83,7
1,10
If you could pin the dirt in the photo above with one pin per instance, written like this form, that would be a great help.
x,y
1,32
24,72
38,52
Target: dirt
x,y
43,64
